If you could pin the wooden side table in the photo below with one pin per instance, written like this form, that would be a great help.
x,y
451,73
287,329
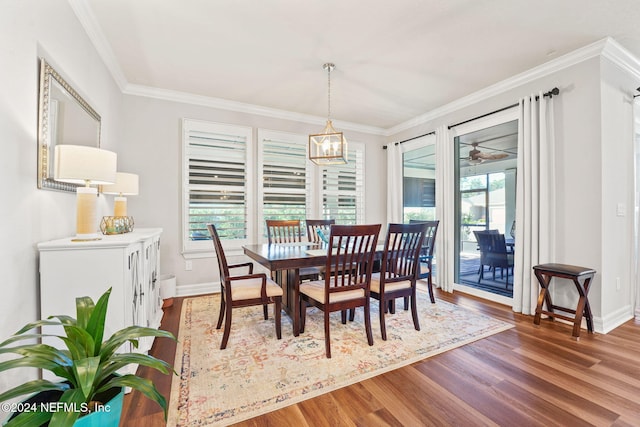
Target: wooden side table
x,y
581,278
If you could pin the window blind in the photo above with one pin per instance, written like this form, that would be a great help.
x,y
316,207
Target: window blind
x,y
215,180
343,189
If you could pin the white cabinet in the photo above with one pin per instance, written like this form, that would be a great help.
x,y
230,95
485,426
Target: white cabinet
x,y
128,263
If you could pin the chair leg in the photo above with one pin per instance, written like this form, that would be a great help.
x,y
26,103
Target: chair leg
x,y
278,316
392,306
327,335
406,303
352,314
227,328
367,322
222,311
265,309
414,309
430,286
383,325
343,317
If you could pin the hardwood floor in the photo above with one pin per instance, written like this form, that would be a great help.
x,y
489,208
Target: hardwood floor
x,y
526,376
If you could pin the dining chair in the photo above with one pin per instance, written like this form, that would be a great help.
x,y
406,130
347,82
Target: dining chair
x,y
243,290
350,255
399,270
426,255
313,225
494,253
289,231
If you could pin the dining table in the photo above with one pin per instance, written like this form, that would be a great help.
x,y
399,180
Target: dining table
x,y
285,260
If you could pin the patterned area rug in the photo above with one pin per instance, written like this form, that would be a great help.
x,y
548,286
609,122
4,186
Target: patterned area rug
x,y
257,373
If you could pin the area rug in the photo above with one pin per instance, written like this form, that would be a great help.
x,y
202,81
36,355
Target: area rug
x,y
257,373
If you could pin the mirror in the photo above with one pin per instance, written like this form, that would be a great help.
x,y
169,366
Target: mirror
x,y
63,118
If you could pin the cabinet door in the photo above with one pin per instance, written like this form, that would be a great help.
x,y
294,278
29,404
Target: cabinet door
x,y
135,284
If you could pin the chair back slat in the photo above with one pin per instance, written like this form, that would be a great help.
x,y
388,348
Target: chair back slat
x,y
402,251
283,231
313,225
350,256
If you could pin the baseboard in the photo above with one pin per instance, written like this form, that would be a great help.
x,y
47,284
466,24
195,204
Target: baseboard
x,y
608,323
197,289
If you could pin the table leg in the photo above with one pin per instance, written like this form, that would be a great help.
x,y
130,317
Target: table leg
x,y
293,281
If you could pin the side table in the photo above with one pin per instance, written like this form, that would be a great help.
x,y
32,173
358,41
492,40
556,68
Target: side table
x,y
581,278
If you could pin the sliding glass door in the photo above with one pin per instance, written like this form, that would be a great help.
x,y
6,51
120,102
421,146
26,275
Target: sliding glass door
x,y
485,181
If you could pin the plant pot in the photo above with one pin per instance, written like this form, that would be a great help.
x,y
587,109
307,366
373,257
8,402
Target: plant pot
x,y
108,415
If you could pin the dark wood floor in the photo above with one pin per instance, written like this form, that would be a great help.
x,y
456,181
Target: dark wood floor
x,y
526,376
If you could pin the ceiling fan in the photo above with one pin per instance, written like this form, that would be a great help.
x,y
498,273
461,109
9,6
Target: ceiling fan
x,y
476,156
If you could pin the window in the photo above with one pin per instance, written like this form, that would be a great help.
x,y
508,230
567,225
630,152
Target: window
x,y
216,176
284,169
343,189
236,184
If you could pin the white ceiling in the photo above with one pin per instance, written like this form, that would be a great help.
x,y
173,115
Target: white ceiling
x,y
395,60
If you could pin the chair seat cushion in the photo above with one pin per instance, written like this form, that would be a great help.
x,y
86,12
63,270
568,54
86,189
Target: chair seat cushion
x,y
250,289
388,287
315,290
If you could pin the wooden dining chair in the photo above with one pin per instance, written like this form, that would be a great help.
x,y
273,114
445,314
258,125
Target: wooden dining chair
x,y
426,255
243,290
289,231
313,225
350,255
283,230
399,270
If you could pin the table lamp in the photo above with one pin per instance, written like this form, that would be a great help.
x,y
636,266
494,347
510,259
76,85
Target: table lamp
x,y
126,185
86,165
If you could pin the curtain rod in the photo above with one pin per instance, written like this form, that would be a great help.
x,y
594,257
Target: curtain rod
x,y
554,91
384,147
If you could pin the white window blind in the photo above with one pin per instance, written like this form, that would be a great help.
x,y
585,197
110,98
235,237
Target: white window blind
x,y
343,188
282,165
215,182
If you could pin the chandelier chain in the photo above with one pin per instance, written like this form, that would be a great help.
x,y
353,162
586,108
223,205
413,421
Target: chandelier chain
x,y
329,90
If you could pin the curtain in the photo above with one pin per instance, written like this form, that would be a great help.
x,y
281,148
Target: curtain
x,y
636,246
535,198
445,209
394,183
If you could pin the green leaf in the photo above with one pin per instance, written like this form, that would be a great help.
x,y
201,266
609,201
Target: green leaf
x,y
143,385
31,387
34,325
95,325
86,371
120,360
83,341
29,419
74,398
84,308
129,334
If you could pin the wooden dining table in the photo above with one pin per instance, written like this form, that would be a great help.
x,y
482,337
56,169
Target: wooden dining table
x,y
285,260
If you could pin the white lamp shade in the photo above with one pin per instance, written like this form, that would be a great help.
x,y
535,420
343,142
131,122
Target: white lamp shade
x,y
79,164
126,184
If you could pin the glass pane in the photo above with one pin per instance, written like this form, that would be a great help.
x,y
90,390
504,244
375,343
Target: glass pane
x,y
485,180
419,183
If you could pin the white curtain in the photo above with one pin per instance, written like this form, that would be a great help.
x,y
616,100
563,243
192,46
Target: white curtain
x,y
394,183
445,190
535,198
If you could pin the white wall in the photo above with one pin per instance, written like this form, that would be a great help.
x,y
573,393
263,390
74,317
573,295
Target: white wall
x,y
29,29
594,162
151,147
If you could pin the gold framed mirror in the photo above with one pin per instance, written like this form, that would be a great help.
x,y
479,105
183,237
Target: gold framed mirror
x,y
64,117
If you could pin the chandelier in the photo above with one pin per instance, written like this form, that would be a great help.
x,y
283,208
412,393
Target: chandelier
x,y
330,146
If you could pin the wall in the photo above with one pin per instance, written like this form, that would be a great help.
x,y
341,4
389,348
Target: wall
x,y
152,143
29,29
594,174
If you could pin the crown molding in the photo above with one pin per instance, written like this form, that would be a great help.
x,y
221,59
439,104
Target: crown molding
x,y
621,57
557,64
225,104
87,19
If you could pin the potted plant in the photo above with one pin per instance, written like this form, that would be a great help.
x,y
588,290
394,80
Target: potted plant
x,y
88,367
